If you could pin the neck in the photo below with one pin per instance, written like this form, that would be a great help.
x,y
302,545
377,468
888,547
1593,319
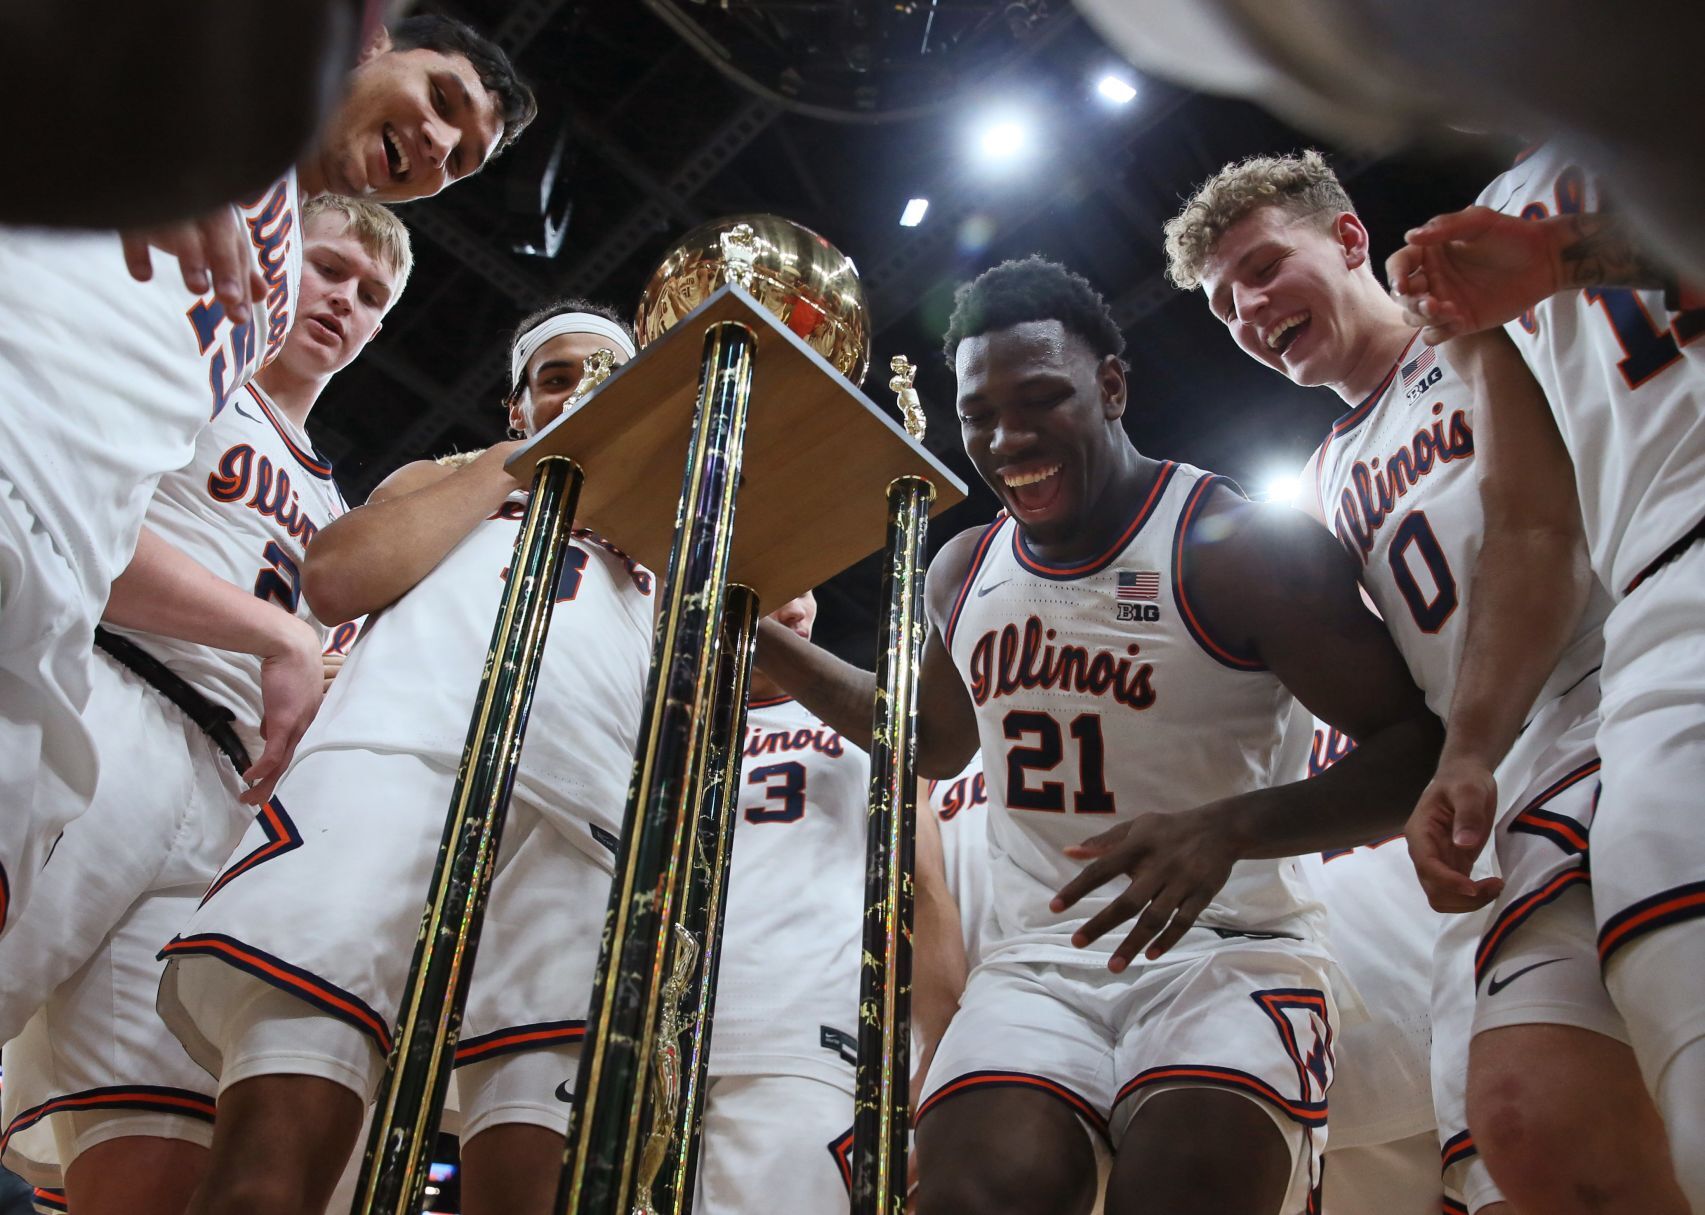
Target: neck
x,y
1381,341
294,395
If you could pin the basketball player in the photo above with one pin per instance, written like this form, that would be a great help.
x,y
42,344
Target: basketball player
x,y
1625,438
285,983
1282,258
1120,642
105,383
961,807
99,1087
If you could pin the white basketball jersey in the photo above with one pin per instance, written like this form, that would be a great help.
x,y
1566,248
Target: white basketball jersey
x,y
1395,480
1382,933
961,806
245,508
1099,697
1626,381
787,991
105,381
411,683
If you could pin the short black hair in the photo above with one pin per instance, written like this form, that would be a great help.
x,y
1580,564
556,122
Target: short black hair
x,y
570,304
515,102
1032,289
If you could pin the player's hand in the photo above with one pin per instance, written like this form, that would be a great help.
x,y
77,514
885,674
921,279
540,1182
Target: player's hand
x,y
330,665
1446,832
212,253
1176,864
292,684
1471,270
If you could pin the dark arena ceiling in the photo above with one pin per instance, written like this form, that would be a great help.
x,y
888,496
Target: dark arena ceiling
x,y
659,114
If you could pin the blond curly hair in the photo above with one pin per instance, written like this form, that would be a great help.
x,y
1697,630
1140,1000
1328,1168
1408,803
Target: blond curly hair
x,y
1302,185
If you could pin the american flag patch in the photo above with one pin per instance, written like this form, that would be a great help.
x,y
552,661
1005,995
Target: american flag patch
x,y
1417,365
1142,584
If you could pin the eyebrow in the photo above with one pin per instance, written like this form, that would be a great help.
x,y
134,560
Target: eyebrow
x,y
554,364
1216,302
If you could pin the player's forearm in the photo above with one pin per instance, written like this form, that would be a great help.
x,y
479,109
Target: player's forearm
x,y
938,942
1365,796
1529,589
167,592
1601,249
369,558
842,695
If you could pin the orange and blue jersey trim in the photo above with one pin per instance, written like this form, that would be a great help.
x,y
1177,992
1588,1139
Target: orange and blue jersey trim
x,y
281,837
1450,1206
1306,1113
1567,833
311,460
1456,1149
1222,654
972,1081
539,1036
1517,913
978,557
840,1147
1083,569
1672,906
294,980
46,1198
151,1098
768,703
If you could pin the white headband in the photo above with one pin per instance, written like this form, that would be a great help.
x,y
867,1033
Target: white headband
x,y
527,345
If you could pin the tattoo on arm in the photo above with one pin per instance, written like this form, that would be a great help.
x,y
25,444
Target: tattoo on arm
x,y
1600,250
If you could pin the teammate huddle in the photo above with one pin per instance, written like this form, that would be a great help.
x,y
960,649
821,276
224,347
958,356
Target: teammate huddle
x,y
234,711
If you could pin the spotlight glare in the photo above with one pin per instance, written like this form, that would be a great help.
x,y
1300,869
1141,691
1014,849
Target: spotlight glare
x,y
1284,488
1116,89
913,215
1004,139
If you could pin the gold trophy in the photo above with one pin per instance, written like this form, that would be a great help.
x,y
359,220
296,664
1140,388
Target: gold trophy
x,y
754,335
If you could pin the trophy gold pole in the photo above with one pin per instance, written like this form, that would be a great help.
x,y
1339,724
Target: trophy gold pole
x,y
881,1083
417,1073
629,998
706,901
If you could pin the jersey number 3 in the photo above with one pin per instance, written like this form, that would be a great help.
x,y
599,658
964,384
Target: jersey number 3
x,y
784,785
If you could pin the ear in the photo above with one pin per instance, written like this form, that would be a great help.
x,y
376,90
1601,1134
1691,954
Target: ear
x,y
517,419
1110,376
1352,240
377,45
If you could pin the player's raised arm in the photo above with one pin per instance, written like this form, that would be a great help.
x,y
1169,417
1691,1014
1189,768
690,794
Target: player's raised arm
x,y
1530,585
844,695
1477,268
1278,587
370,557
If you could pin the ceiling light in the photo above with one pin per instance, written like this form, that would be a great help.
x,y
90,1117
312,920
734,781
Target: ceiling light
x,y
1003,139
1116,89
913,215
1284,488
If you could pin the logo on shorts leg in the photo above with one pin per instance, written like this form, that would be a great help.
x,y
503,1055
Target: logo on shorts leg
x,y
1498,984
565,1091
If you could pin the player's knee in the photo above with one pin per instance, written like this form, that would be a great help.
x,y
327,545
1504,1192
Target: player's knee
x,y
1049,1169
1165,1163
256,1193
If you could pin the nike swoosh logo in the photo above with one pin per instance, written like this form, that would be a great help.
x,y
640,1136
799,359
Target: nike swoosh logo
x,y
984,590
238,406
565,1092
1498,984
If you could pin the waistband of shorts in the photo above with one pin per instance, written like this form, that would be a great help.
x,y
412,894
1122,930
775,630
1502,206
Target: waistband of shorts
x,y
213,720
1685,541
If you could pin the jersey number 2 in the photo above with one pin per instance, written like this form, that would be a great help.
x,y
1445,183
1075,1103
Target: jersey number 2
x,y
1092,795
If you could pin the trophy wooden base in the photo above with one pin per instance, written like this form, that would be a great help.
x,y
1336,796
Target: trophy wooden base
x,y
819,456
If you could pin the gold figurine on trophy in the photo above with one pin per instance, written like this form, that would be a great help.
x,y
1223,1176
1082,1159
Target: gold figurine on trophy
x,y
911,408
665,1073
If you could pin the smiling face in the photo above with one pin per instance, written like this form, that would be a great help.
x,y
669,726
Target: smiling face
x,y
553,372
1294,292
346,290
412,123
1039,414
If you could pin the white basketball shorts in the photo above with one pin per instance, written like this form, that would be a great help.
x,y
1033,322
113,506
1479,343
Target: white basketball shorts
x,y
776,1143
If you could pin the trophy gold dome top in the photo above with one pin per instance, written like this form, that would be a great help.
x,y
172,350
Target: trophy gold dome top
x,y
803,280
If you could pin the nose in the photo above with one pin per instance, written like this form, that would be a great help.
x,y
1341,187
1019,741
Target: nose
x,y
436,144
1011,438
340,300
1246,301
791,613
